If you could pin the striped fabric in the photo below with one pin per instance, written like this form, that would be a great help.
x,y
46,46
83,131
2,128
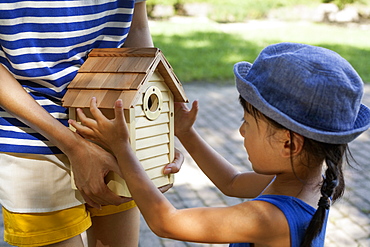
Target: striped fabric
x,y
43,44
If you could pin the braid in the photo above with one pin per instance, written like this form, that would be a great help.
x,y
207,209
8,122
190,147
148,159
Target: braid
x,y
332,189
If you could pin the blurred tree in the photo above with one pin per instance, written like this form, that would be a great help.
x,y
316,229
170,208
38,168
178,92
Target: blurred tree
x,y
341,3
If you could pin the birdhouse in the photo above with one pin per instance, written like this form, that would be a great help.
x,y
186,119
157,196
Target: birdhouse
x,y
144,80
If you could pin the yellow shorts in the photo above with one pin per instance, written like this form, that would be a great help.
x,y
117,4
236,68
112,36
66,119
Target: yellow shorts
x,y
37,229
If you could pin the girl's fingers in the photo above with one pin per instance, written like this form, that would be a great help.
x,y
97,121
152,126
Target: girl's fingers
x,y
84,131
118,110
97,114
194,109
180,106
176,164
85,120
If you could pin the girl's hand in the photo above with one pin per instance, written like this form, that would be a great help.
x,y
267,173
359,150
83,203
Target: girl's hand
x,y
175,165
185,118
109,133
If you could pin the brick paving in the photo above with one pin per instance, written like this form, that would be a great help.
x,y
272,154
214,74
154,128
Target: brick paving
x,y
218,122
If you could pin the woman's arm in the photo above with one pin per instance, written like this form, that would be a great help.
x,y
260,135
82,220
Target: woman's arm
x,y
223,174
139,35
90,162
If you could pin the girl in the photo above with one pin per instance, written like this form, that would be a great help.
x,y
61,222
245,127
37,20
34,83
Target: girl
x,y
302,105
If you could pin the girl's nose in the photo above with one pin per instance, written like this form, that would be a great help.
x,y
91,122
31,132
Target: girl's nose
x,y
241,130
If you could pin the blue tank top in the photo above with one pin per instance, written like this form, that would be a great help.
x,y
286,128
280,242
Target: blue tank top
x,y
298,215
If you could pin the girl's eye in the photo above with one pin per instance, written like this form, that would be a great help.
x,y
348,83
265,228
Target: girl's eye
x,y
244,121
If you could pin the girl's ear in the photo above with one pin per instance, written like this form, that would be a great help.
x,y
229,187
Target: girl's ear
x,y
292,144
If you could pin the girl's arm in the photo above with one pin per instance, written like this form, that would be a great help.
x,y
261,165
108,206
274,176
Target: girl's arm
x,y
223,174
90,162
246,222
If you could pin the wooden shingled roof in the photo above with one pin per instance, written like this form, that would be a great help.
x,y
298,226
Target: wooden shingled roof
x,y
118,73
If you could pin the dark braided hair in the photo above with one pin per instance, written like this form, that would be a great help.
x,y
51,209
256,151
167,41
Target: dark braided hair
x,y
332,187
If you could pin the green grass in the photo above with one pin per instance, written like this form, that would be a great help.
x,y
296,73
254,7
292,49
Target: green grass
x,y
236,10
207,51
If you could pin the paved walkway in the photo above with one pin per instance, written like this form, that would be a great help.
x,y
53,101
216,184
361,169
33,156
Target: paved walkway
x,y
218,122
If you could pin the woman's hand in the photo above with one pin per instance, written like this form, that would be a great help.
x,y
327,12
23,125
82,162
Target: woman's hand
x,y
90,164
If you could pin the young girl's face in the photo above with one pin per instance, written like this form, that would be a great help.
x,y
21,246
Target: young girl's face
x,y
261,145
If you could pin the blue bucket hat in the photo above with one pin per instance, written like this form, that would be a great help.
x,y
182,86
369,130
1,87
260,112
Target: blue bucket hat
x,y
310,90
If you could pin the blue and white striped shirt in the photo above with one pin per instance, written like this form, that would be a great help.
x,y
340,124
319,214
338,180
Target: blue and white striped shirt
x,y
43,44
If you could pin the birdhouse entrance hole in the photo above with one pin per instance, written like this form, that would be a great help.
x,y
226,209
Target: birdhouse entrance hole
x,y
152,104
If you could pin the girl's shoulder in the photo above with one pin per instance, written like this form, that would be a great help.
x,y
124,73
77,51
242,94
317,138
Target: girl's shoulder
x,y
297,213
262,220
